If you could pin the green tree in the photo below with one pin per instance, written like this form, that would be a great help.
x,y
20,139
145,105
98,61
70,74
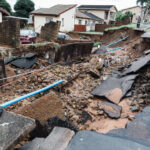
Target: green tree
x,y
145,4
122,16
4,4
23,8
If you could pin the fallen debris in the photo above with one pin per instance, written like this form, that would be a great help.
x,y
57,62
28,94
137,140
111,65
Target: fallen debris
x,y
44,108
137,65
114,89
24,63
13,128
137,130
88,140
146,35
57,122
112,110
146,52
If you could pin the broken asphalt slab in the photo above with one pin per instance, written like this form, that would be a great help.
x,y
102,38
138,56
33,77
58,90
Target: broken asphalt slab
x,y
114,88
112,110
88,140
146,35
24,63
146,52
137,130
137,65
13,128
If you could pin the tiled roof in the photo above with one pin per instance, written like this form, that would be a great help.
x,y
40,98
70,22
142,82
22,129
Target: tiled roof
x,y
92,16
96,7
79,14
5,12
55,10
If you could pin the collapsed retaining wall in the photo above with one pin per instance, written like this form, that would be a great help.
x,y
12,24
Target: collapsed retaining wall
x,y
53,51
10,32
50,31
68,52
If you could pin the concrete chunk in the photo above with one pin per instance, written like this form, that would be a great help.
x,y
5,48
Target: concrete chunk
x,y
58,139
88,140
114,88
12,128
34,145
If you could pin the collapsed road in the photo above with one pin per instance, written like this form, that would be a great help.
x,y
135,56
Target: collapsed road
x,y
101,93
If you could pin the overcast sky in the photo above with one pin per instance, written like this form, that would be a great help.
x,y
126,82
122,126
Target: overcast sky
x,y
121,4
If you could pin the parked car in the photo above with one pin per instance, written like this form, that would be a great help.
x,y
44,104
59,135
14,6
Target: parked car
x,y
63,36
27,36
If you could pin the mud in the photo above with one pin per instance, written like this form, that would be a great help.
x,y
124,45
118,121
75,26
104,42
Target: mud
x,y
44,108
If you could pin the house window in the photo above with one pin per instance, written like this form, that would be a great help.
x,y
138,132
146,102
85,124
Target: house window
x,y
106,15
48,19
80,22
62,22
89,22
86,22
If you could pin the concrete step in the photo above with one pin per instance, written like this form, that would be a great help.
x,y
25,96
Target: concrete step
x,y
57,140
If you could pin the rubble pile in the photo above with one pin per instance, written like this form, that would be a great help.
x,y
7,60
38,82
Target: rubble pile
x,y
100,92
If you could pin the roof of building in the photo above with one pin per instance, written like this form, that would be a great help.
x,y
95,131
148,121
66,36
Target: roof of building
x,y
130,8
92,16
96,7
14,17
5,12
55,10
79,14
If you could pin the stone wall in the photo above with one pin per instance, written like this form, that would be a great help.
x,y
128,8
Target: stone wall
x,y
50,31
10,33
72,51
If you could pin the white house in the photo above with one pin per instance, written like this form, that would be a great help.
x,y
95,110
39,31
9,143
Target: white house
x,y
87,19
63,13
106,12
3,12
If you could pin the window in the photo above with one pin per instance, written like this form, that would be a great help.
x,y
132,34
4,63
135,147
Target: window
x,y
80,22
62,22
48,19
89,22
106,15
86,22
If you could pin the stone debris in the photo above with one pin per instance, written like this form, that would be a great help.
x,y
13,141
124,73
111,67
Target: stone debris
x,y
13,128
146,52
112,110
58,139
88,140
114,89
137,130
137,65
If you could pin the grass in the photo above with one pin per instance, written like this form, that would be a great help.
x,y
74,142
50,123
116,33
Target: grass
x,y
132,25
90,33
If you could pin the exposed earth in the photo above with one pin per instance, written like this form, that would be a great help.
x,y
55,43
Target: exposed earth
x,y
73,100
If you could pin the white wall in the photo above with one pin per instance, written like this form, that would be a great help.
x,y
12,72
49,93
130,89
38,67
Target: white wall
x,y
83,21
0,17
69,20
101,13
39,21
